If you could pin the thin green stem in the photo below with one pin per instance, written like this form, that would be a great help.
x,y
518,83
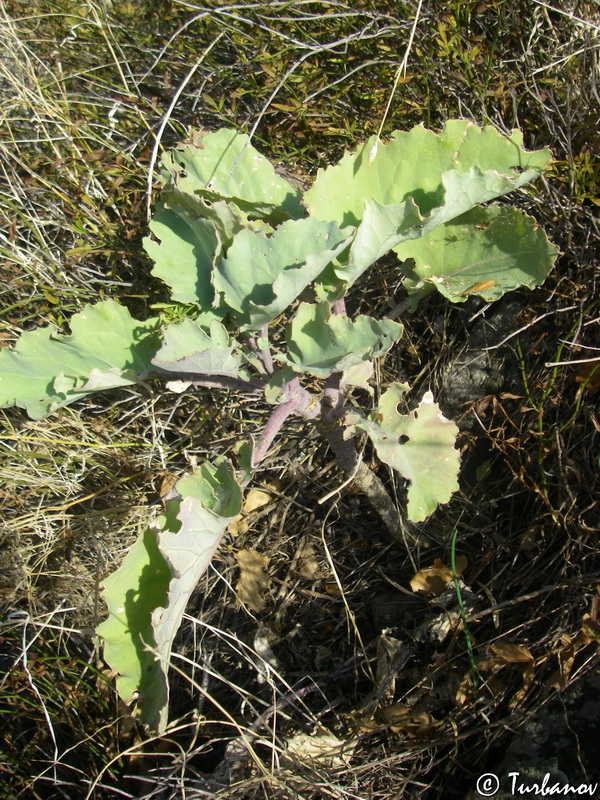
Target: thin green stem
x,y
580,396
461,609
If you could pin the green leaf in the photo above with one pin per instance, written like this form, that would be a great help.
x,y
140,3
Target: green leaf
x,y
322,343
215,487
420,445
465,190
488,251
276,390
262,275
187,348
184,255
226,166
381,228
47,370
137,587
147,595
225,216
359,375
415,183
412,165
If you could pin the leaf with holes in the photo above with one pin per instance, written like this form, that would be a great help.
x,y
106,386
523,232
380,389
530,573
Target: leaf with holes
x,y
487,251
415,183
419,445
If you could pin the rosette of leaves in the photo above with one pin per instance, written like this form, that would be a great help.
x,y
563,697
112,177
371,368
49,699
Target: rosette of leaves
x,y
254,261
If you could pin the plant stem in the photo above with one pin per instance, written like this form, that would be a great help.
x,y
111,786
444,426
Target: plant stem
x,y
339,307
330,426
301,402
263,353
223,382
461,608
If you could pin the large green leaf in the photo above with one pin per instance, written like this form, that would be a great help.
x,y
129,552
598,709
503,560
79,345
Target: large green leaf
x,y
262,275
148,593
47,370
382,227
225,216
189,349
386,227
322,343
224,165
412,165
420,445
415,183
488,251
132,592
184,255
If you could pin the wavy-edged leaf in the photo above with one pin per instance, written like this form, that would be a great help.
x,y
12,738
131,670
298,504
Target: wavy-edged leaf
x,y
487,251
412,164
262,275
224,165
131,593
382,227
147,595
420,445
322,343
386,227
47,369
417,182
226,217
184,255
188,348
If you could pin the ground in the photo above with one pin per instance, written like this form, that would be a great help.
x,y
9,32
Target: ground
x,y
343,655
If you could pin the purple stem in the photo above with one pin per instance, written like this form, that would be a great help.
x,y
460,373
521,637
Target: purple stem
x,y
301,402
264,355
331,428
339,307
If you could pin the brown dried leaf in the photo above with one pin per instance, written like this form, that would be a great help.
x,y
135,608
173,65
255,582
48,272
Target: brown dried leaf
x,y
401,718
324,748
255,499
566,656
165,485
364,722
492,685
511,653
464,693
590,628
332,588
434,579
305,563
254,581
528,676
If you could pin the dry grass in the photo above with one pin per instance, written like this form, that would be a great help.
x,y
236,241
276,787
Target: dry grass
x,y
87,89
